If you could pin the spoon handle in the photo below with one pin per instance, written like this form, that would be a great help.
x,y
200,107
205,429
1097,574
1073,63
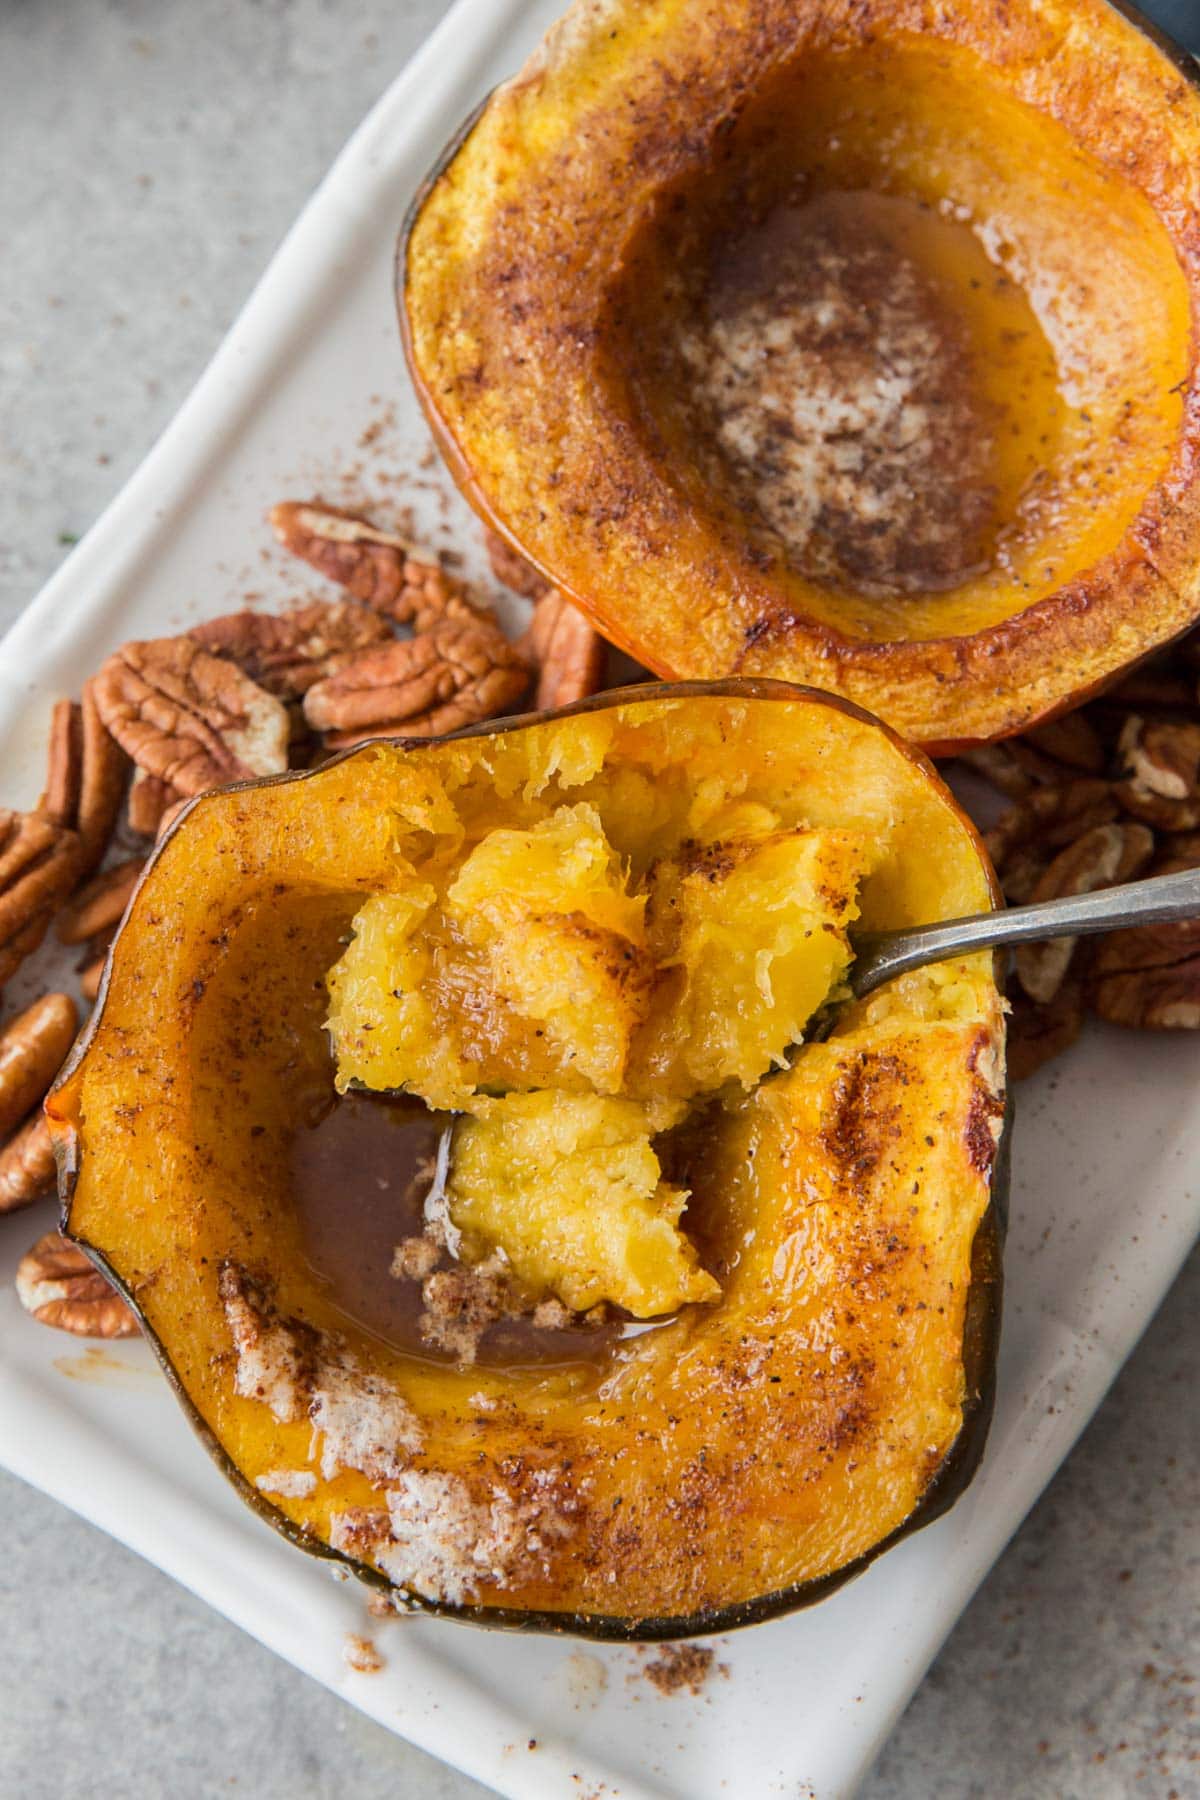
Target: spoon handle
x,y
1161,900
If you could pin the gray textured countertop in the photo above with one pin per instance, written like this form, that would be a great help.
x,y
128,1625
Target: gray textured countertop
x,y
154,154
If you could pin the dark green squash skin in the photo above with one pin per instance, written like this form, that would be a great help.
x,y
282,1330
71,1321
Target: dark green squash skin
x,y
981,1329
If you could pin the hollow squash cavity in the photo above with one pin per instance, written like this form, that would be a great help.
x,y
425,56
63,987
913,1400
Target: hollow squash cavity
x,y
848,343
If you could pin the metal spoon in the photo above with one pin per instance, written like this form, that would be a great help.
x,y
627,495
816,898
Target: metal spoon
x,y
1162,900
882,955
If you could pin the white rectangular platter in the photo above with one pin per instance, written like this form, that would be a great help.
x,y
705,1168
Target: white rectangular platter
x,y
309,394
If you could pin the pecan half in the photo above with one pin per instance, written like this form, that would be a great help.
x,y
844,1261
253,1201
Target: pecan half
x,y
59,1285
1051,817
511,568
85,778
376,565
569,654
149,800
32,1049
27,1168
1148,977
188,717
98,906
1019,765
1161,763
1100,858
64,764
454,675
287,653
103,775
39,865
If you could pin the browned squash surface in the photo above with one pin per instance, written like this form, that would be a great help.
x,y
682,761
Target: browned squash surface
x,y
853,343
829,1385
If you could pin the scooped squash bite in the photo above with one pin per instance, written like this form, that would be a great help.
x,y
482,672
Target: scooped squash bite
x,y
852,343
670,1319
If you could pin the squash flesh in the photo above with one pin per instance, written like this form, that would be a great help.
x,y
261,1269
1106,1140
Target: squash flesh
x,y
679,1480
569,1186
517,983
544,970
753,931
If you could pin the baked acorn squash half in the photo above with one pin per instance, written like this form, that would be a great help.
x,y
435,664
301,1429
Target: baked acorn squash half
x,y
854,343
748,1311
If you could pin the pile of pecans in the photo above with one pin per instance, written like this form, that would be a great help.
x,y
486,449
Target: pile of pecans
x,y
245,695
1104,795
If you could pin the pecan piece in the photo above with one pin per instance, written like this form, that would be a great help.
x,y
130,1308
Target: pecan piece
x,y
568,653
287,653
149,800
376,565
1036,1033
1019,765
454,675
1100,858
190,718
59,1285
39,865
511,568
27,1167
32,1049
98,907
1160,759
64,764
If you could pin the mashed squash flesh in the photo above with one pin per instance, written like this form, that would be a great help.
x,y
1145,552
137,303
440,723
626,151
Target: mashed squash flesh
x,y
570,1186
574,1000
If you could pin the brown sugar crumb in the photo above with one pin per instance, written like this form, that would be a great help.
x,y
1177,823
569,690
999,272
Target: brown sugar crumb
x,y
552,1315
361,1655
835,388
682,1666
460,1304
415,1258
460,1301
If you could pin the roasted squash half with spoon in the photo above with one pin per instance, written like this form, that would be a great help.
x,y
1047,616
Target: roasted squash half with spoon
x,y
751,1291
